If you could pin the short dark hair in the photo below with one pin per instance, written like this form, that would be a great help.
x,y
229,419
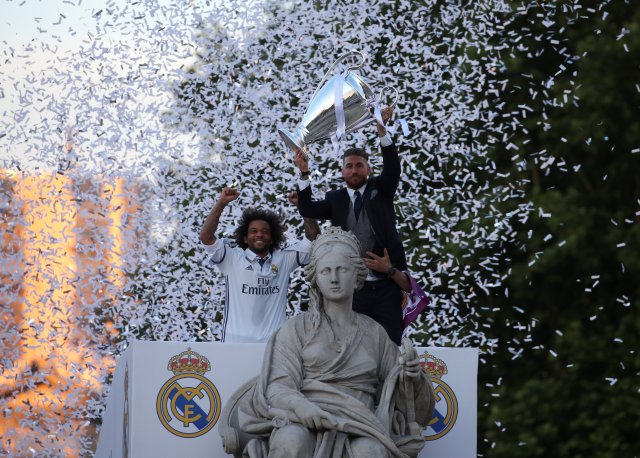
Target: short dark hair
x,y
356,152
274,221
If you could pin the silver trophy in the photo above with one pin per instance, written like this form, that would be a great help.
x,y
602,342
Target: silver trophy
x,y
342,104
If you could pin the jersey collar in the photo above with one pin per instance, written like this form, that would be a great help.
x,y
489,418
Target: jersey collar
x,y
252,257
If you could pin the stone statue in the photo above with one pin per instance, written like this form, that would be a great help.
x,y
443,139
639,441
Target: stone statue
x,y
332,384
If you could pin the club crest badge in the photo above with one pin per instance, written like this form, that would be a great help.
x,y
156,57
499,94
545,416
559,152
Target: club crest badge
x,y
446,411
188,404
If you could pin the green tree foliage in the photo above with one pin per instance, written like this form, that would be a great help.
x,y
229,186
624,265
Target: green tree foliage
x,y
564,381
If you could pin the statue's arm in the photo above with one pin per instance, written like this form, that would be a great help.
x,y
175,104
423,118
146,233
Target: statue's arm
x,y
286,368
408,360
420,382
286,378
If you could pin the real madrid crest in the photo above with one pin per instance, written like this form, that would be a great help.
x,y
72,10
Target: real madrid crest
x,y
446,411
188,404
274,268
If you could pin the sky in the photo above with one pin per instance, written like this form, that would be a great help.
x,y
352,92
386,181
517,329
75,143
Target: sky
x,y
27,21
62,59
31,33
24,20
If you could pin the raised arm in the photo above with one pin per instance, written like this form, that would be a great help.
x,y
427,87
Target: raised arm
x,y
210,226
307,207
389,179
385,113
311,227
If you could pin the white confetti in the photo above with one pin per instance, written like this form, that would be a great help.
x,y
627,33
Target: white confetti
x,y
120,122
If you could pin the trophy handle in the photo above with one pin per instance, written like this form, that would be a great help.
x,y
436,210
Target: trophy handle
x,y
395,100
335,64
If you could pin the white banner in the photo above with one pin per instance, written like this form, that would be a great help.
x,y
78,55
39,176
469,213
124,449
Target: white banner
x,y
166,399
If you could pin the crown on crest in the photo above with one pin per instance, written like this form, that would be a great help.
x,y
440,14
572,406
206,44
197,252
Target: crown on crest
x,y
189,362
435,366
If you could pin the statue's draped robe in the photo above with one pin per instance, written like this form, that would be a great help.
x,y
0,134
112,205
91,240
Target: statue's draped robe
x,y
362,386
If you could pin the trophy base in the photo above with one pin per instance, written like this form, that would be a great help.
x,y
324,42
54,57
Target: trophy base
x,y
293,141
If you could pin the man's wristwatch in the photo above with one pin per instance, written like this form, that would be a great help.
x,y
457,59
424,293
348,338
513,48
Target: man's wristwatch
x,y
305,174
391,272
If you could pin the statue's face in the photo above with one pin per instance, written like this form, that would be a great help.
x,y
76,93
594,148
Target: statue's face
x,y
335,275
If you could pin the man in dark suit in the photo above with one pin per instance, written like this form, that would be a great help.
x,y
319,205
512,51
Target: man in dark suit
x,y
365,207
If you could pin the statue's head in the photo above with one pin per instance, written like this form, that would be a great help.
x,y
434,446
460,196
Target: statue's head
x,y
331,248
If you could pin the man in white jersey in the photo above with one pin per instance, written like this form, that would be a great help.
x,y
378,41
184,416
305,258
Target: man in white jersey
x,y
256,270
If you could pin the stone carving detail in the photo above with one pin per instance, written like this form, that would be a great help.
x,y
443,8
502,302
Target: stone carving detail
x,y
332,382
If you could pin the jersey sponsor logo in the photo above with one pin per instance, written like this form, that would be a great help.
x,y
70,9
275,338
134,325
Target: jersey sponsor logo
x,y
188,404
262,288
446,411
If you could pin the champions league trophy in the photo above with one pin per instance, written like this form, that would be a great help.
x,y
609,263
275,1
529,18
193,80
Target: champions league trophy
x,y
343,104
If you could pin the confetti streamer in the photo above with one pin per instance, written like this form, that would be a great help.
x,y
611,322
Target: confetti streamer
x,y
114,149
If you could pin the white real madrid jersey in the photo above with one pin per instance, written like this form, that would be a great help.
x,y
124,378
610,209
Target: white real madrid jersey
x,y
255,289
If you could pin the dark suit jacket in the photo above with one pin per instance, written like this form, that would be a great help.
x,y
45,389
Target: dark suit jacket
x,y
377,200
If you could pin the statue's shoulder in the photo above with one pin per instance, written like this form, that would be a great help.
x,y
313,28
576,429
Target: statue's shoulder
x,y
369,322
294,327
372,329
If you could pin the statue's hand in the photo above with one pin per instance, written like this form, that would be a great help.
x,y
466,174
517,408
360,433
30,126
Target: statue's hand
x,y
313,417
409,359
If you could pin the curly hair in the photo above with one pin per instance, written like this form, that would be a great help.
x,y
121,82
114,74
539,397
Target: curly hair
x,y
273,220
350,246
